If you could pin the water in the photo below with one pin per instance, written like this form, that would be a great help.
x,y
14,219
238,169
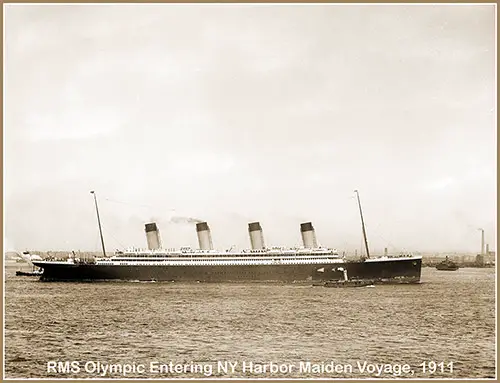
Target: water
x,y
449,317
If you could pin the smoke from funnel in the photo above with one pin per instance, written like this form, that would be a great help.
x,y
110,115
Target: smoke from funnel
x,y
185,220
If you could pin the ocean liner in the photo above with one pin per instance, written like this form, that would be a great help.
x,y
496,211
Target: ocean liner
x,y
310,263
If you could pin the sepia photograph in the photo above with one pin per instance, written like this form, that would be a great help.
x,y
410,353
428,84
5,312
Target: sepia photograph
x,y
245,191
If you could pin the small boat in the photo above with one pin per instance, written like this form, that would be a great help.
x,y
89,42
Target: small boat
x,y
350,283
34,273
346,282
447,265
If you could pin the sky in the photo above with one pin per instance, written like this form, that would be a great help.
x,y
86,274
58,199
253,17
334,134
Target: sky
x,y
233,113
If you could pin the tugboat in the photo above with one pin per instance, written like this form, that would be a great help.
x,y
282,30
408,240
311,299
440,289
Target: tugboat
x,y
447,265
26,257
346,282
351,283
34,273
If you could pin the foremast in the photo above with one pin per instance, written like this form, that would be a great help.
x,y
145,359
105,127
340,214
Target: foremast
x,y
99,223
363,225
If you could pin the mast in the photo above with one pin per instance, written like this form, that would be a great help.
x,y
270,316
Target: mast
x,y
363,226
99,223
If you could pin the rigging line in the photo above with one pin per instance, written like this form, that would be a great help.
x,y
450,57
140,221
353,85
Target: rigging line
x,y
112,236
127,203
136,204
390,244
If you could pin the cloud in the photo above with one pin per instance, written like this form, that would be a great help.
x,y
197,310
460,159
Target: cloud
x,y
261,110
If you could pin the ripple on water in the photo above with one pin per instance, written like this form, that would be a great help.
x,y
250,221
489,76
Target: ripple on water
x,y
449,317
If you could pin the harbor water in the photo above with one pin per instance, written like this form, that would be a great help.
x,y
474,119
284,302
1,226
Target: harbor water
x,y
443,327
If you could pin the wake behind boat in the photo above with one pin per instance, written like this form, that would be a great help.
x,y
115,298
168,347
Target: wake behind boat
x,y
310,263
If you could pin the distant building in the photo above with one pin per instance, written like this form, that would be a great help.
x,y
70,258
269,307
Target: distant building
x,y
485,259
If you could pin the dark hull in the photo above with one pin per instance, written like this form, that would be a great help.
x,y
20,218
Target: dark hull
x,y
404,270
386,271
28,273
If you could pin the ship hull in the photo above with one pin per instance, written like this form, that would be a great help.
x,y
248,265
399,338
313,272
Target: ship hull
x,y
390,271
387,271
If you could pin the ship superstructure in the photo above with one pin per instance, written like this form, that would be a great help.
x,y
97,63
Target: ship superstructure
x,y
260,263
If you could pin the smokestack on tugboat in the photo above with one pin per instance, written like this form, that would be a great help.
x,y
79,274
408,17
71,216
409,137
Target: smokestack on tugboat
x,y
256,235
308,235
204,237
153,236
